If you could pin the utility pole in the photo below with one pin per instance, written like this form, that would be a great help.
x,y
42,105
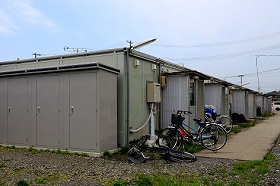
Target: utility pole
x,y
241,76
257,56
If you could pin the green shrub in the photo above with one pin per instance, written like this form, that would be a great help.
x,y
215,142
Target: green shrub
x,y
22,183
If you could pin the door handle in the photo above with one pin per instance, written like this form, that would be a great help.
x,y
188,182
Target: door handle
x,y
9,110
38,110
72,110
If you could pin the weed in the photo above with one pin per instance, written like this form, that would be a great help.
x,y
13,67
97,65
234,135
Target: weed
x,y
120,183
193,148
41,180
245,125
22,183
143,179
212,172
269,156
84,154
218,183
234,183
124,150
107,154
236,130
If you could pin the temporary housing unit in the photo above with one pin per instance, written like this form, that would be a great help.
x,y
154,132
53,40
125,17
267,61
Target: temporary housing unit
x,y
217,94
183,91
260,103
140,85
239,102
252,107
70,107
269,104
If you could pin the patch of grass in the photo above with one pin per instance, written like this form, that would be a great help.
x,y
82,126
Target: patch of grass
x,y
23,183
120,183
267,115
218,183
236,130
124,150
248,124
269,157
57,178
193,148
41,180
107,154
143,179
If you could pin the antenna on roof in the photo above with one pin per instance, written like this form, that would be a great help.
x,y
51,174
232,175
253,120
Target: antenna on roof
x,y
36,54
138,45
77,50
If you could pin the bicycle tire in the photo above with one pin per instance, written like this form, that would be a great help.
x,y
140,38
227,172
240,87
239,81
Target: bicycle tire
x,y
213,137
171,138
226,122
185,156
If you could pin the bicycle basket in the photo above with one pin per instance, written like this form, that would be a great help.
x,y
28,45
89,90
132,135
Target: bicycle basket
x,y
177,119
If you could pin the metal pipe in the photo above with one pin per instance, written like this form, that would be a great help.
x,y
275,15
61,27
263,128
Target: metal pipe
x,y
127,50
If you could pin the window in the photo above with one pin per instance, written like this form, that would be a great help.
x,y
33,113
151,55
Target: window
x,y
192,93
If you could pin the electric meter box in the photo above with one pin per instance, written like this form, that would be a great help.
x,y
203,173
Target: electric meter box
x,y
153,92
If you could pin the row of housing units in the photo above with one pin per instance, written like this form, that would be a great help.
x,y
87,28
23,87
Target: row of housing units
x,y
97,101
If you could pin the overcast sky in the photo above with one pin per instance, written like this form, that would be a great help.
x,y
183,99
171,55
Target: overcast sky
x,y
219,38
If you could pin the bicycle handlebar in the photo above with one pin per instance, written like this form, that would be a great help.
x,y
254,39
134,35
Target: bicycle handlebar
x,y
182,111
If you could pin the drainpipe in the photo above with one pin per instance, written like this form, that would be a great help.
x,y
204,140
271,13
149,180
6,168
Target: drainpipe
x,y
127,95
160,104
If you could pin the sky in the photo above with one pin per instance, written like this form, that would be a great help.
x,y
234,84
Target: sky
x,y
224,39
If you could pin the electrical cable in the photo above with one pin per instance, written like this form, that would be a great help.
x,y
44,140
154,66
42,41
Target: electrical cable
x,y
230,55
151,112
222,43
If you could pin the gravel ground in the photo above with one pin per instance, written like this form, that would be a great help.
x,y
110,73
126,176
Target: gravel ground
x,y
60,169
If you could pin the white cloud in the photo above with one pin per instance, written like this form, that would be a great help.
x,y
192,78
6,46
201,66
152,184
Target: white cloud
x,y
20,13
31,14
7,26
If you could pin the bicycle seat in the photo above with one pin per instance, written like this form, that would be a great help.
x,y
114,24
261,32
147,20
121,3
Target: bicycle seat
x,y
197,120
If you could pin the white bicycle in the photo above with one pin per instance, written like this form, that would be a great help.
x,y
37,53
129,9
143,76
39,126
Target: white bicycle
x,y
222,120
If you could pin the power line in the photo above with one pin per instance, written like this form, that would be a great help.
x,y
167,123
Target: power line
x,y
222,43
230,55
250,74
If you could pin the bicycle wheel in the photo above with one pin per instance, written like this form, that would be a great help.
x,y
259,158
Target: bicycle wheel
x,y
226,122
213,137
170,137
185,156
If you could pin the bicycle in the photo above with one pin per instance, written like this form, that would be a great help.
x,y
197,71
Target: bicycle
x,y
212,136
136,155
223,120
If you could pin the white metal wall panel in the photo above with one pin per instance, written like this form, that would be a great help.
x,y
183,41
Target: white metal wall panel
x,y
269,105
17,111
238,102
213,96
174,96
3,111
48,111
83,110
259,102
251,106
265,104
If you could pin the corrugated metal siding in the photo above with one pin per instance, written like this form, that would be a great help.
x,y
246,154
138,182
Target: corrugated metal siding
x,y
269,105
265,104
251,106
259,102
174,96
238,102
213,96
